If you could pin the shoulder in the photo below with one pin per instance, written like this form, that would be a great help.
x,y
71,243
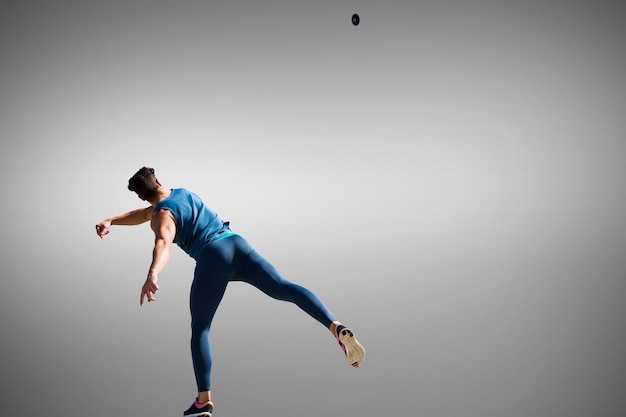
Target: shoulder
x,y
162,216
161,213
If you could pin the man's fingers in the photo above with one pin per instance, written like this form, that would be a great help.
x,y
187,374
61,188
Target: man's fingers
x,y
148,295
101,231
148,290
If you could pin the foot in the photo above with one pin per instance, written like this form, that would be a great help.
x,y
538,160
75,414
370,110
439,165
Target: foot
x,y
199,410
355,353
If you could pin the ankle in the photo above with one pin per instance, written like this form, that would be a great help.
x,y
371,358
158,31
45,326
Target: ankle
x,y
338,330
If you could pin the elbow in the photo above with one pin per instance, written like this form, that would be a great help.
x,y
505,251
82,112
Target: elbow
x,y
164,243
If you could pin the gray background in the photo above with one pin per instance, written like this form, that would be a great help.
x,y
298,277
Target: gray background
x,y
448,177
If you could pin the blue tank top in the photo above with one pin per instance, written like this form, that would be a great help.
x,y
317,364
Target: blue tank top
x,y
196,224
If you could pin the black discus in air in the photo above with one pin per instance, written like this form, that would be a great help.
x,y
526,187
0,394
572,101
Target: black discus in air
x,y
356,19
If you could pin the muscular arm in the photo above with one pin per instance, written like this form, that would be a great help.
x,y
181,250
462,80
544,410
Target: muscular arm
x,y
164,228
131,218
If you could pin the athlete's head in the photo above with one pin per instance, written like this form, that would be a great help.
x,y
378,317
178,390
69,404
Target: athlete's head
x,y
144,183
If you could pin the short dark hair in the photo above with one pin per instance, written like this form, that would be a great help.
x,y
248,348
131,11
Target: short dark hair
x,y
144,183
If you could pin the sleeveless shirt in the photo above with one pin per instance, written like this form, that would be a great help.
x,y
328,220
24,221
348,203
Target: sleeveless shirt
x,y
196,224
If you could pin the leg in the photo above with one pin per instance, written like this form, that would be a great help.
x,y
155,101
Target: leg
x,y
204,300
211,276
259,272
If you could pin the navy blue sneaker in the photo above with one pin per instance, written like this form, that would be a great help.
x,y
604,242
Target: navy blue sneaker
x,y
198,410
355,353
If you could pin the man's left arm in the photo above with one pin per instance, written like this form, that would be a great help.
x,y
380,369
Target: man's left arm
x,y
164,228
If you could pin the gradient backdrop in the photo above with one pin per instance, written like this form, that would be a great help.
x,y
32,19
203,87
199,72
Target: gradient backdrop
x,y
448,177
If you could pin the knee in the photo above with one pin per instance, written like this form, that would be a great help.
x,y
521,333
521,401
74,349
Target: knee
x,y
199,329
287,291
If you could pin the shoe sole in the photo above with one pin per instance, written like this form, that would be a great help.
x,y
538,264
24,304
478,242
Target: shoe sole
x,y
354,351
202,414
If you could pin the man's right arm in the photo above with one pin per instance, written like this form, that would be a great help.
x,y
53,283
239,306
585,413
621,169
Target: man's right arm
x,y
131,218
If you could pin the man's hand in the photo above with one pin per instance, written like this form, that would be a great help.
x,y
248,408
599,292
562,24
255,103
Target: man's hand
x,y
102,228
149,288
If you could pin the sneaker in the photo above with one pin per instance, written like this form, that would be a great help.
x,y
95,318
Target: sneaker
x,y
197,410
355,353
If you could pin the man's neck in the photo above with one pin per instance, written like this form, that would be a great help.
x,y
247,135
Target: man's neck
x,y
161,194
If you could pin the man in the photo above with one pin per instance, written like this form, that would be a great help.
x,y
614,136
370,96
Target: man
x,y
179,216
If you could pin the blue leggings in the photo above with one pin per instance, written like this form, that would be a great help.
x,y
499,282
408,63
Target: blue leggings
x,y
233,259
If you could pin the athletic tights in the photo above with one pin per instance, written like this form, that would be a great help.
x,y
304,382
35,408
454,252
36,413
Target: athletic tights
x,y
233,259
